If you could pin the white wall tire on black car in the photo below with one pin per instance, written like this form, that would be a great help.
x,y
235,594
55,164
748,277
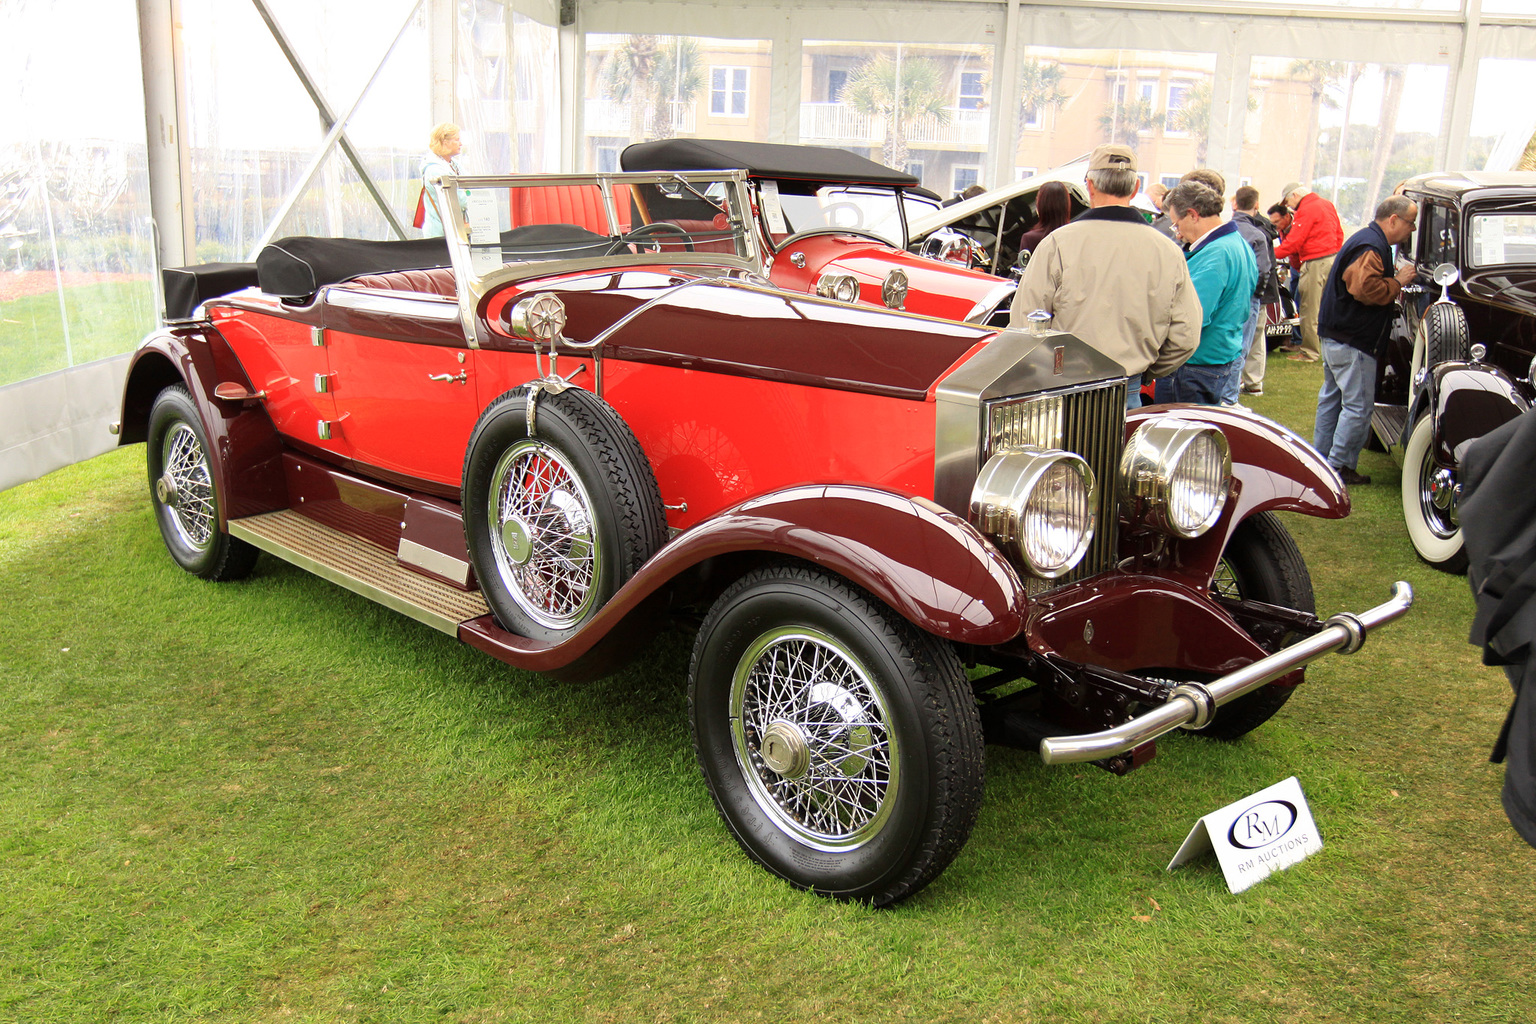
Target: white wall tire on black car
x,y
841,744
1429,503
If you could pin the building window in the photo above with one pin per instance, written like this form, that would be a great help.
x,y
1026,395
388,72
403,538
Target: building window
x,y
1146,90
1178,96
915,168
970,90
836,79
606,157
965,177
1171,180
1020,173
728,92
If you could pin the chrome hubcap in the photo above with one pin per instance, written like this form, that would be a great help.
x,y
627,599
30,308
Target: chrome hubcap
x,y
543,540
185,487
1437,499
814,738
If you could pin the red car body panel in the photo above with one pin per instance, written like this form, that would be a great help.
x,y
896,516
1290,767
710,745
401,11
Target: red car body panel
x,y
933,289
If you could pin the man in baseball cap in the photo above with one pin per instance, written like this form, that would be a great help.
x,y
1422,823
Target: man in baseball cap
x,y
1113,280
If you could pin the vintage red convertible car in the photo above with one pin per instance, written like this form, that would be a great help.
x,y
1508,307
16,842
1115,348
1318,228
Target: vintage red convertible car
x,y
905,537
834,224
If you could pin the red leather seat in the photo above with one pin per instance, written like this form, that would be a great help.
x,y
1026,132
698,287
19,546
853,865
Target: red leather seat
x,y
431,281
581,205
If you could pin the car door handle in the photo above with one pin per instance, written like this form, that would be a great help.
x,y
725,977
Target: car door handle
x,y
446,377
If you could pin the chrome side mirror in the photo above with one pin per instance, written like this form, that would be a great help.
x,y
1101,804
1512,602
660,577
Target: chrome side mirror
x,y
1445,275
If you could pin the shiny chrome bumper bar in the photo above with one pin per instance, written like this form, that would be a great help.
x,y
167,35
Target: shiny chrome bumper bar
x,y
1192,705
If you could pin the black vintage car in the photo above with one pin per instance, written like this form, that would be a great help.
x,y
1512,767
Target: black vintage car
x,y
1459,360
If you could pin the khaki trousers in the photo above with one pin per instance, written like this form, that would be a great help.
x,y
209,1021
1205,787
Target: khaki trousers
x,y
1253,366
1314,275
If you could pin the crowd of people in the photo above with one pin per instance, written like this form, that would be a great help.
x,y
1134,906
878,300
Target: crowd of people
x,y
1182,307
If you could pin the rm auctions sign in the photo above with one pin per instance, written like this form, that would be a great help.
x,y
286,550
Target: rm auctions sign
x,y
1252,838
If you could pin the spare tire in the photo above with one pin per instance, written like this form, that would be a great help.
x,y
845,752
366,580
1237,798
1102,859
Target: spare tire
x,y
557,520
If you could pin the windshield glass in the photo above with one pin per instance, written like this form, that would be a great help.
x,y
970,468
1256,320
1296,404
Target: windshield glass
x,y
789,208
1503,238
505,222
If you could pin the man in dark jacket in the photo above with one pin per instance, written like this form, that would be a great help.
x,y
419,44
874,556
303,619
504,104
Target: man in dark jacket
x,y
1352,321
1498,521
1260,235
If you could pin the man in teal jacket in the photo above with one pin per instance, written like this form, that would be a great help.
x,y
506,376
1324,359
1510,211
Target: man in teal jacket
x,y
1224,272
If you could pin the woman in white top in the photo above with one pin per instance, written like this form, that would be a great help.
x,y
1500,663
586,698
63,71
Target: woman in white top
x,y
445,145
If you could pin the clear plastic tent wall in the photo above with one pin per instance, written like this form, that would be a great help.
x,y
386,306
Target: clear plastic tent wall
x,y
1350,96
77,253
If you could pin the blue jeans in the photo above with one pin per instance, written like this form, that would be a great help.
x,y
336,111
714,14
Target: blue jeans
x,y
1344,403
1231,395
1133,392
1201,385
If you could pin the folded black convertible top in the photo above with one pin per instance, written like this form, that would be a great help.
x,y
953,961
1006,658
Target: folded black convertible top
x,y
297,267
761,159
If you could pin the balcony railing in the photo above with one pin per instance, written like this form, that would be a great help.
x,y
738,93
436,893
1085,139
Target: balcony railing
x,y
840,124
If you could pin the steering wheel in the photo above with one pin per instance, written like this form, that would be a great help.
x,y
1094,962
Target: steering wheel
x,y
647,233
833,215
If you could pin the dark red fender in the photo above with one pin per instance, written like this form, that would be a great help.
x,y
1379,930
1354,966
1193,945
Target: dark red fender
x,y
929,565
1273,469
247,455
1130,623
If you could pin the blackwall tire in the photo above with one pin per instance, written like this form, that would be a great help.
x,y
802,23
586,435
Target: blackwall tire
x,y
841,745
183,490
1445,333
1429,509
1261,563
558,521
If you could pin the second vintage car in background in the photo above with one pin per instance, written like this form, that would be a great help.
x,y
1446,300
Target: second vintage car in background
x,y
1461,358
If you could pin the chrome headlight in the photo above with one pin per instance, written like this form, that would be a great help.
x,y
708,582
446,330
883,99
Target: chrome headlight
x,y
834,284
1039,505
1175,475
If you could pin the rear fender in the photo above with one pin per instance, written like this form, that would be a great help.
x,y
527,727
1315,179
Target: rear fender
x,y
247,453
929,565
1273,470
1468,401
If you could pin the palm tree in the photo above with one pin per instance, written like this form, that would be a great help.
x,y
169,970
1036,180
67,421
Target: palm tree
x,y
903,92
1124,122
1319,75
1194,117
1039,89
679,76
628,74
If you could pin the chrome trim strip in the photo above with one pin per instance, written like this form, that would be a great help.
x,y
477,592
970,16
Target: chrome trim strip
x,y
1343,633
387,303
991,302
433,561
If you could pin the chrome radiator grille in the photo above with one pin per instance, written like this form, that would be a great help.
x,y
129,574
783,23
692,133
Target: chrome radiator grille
x,y
1087,422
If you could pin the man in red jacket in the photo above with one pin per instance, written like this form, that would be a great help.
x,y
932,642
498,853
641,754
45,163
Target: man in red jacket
x,y
1314,238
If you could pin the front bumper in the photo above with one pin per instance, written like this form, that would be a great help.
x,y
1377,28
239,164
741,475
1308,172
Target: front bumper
x,y
1193,705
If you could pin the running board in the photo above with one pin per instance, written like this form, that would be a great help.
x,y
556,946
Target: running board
x,y
360,567
1387,423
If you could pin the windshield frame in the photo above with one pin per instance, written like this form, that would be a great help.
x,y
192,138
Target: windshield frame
x,y
761,200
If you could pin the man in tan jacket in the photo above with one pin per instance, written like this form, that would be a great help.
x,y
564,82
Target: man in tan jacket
x,y
1113,281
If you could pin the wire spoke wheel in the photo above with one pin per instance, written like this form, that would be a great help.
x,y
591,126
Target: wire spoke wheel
x,y
186,486
841,744
813,738
545,547
184,491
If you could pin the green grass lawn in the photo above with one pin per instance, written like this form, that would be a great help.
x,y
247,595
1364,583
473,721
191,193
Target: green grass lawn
x,y
106,319
272,800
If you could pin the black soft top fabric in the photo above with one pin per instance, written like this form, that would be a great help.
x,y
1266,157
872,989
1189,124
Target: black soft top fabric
x,y
761,160
186,288
298,267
